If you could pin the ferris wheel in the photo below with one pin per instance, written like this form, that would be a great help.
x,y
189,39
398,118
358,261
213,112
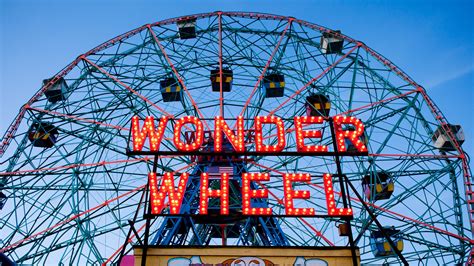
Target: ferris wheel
x,y
70,191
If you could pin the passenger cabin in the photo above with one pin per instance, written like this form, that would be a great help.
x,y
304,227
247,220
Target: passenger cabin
x,y
227,77
380,245
317,105
274,85
43,134
57,91
378,186
332,42
187,28
442,141
3,200
170,90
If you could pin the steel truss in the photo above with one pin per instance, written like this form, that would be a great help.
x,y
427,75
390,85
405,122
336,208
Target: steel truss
x,y
73,201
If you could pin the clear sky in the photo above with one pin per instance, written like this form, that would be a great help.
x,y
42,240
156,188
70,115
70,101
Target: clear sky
x,y
432,41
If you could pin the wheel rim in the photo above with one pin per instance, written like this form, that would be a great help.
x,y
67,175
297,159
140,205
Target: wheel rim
x,y
53,189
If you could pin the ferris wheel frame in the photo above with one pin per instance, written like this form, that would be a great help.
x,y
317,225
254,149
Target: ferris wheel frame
x,y
85,58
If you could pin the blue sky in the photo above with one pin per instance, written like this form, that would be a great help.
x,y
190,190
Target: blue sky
x,y
432,41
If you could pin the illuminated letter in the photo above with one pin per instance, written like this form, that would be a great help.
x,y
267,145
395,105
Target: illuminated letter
x,y
157,197
222,193
352,135
199,134
138,137
260,147
291,194
330,202
237,141
302,134
248,194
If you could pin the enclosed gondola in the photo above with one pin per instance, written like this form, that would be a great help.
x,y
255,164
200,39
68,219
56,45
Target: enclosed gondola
x,y
378,186
57,91
187,28
43,134
170,90
274,85
442,140
332,42
317,105
227,78
381,246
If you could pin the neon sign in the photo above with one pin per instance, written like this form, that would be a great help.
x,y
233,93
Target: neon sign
x,y
221,128
167,194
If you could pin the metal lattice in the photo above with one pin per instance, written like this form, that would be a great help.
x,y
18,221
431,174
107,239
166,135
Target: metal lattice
x,y
71,201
